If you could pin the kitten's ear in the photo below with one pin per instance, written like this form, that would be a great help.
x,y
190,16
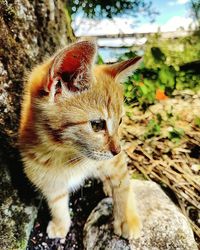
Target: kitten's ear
x,y
121,70
70,70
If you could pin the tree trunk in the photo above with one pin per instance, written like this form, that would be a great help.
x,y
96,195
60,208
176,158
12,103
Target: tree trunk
x,y
30,30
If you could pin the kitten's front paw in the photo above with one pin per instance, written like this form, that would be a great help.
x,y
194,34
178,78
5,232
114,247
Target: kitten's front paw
x,y
128,228
57,230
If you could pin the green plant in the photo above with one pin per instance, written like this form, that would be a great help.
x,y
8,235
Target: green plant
x,y
165,69
152,129
108,9
176,134
99,59
195,12
197,121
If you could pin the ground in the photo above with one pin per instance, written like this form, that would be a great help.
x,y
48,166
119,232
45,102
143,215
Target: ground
x,y
81,204
163,145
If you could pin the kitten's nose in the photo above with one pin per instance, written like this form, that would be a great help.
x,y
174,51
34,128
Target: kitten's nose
x,y
115,149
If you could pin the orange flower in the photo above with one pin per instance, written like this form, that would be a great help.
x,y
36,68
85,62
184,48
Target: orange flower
x,y
140,83
160,95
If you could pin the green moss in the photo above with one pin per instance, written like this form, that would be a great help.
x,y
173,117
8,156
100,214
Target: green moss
x,y
14,219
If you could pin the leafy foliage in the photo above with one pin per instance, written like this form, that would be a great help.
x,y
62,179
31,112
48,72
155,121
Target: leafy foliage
x,y
153,129
165,69
176,134
107,9
195,11
177,51
99,60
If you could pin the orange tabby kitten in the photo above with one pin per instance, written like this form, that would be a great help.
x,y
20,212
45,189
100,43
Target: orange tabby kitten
x,y
71,114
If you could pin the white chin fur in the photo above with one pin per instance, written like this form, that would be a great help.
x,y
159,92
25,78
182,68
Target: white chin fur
x,y
101,157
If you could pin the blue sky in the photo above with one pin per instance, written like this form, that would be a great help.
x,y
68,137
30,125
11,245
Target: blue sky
x,y
170,8
173,15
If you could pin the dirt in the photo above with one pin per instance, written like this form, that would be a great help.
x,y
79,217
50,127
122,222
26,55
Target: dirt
x,y
81,204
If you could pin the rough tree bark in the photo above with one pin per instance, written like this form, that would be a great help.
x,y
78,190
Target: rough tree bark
x,y
30,30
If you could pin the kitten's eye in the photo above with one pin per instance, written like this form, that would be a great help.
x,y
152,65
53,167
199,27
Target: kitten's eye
x,y
98,125
120,121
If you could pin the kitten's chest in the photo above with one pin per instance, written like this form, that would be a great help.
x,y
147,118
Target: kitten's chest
x,y
76,175
57,171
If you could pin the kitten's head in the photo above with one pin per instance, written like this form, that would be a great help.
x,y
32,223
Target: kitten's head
x,y
80,105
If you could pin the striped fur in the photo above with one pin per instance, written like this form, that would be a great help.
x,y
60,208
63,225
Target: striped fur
x,y
58,145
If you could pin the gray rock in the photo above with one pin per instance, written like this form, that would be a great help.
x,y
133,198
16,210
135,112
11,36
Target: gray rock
x,y
16,218
164,226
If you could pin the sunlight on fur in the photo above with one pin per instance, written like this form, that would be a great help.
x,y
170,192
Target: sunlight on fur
x,y
71,113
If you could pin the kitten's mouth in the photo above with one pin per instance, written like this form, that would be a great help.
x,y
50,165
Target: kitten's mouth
x,y
99,156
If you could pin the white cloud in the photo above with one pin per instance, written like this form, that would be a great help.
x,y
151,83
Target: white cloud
x,y
147,27
172,3
176,22
84,26
171,25
87,27
117,42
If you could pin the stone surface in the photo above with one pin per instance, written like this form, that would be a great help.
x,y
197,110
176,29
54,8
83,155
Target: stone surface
x,y
16,217
164,226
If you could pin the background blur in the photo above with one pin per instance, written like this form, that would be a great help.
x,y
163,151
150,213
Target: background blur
x,y
162,98
165,32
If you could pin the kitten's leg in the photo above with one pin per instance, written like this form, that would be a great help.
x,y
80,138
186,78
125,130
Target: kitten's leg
x,y
59,226
126,220
107,188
